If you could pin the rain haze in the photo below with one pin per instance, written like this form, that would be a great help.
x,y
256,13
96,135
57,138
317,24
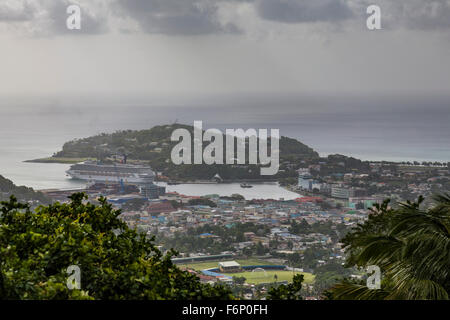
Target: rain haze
x,y
224,47
313,69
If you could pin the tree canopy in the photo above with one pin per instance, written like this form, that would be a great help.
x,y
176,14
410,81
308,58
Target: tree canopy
x,y
37,247
291,291
8,188
410,245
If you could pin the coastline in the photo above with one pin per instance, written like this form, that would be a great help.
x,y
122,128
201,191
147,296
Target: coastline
x,y
59,160
67,160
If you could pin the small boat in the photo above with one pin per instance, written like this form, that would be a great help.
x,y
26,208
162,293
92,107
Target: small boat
x,y
245,185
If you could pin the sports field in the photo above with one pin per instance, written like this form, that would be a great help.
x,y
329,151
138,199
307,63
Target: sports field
x,y
269,276
252,277
215,264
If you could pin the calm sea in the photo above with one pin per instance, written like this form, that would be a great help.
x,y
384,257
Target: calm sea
x,y
378,129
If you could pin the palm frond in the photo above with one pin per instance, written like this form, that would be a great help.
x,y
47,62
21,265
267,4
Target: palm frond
x,y
351,291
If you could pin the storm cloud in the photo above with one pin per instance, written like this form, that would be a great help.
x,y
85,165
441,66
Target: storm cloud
x,y
203,17
194,17
11,11
175,17
57,16
417,14
48,17
299,11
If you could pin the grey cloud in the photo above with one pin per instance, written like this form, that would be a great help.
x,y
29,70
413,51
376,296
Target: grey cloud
x,y
21,11
175,17
48,17
303,11
201,17
410,14
421,14
90,23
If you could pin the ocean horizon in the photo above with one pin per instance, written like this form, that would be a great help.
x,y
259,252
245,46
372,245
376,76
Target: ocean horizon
x,y
345,127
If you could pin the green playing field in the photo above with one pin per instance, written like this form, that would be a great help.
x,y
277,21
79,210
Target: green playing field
x,y
215,264
256,277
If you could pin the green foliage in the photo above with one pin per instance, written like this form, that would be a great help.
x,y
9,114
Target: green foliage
x,y
337,163
410,245
234,197
260,249
288,181
175,204
36,248
309,257
191,242
8,188
329,275
287,292
154,146
239,280
300,228
202,202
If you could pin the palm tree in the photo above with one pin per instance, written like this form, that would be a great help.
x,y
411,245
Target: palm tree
x,y
409,244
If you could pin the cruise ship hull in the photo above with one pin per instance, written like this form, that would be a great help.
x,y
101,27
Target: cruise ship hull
x,y
93,172
108,179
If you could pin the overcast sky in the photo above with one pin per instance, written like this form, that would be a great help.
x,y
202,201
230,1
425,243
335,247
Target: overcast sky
x,y
224,46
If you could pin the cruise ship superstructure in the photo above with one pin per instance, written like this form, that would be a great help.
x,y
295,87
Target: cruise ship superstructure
x,y
97,172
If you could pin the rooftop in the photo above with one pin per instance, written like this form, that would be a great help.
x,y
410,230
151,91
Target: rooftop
x,y
229,264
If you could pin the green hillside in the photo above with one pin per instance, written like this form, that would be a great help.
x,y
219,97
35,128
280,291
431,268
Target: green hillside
x,y
154,147
8,188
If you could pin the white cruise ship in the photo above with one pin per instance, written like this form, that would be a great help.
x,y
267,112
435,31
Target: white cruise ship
x,y
96,172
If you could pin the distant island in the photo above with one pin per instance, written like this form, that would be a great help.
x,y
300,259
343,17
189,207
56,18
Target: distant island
x,y
153,147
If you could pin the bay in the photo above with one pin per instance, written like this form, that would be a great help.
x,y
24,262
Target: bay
x,y
373,130
267,190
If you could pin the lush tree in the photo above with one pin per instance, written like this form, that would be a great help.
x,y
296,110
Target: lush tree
x,y
290,245
300,228
291,291
410,245
260,249
8,188
176,204
36,248
141,145
328,275
239,280
202,202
